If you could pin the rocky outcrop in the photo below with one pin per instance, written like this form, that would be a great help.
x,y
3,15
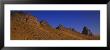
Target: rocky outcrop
x,y
86,31
60,27
44,23
63,28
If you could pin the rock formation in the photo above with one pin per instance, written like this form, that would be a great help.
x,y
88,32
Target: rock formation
x,y
60,27
27,27
86,31
44,23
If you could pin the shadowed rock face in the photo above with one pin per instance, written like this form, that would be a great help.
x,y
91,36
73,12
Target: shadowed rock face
x,y
44,23
27,27
86,31
60,27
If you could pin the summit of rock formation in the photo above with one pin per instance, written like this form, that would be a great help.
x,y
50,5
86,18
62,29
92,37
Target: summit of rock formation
x,y
86,31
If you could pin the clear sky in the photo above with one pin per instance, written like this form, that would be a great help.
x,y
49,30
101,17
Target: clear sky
x,y
72,18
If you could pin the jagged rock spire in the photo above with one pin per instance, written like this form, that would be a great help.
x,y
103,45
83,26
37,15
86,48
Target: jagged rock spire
x,y
86,31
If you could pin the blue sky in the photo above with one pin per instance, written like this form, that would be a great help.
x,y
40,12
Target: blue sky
x,y
70,18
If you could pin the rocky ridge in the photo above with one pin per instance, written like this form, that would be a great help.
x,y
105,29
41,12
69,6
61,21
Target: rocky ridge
x,y
27,27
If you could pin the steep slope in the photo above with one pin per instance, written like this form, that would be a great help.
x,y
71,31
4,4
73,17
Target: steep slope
x,y
27,27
